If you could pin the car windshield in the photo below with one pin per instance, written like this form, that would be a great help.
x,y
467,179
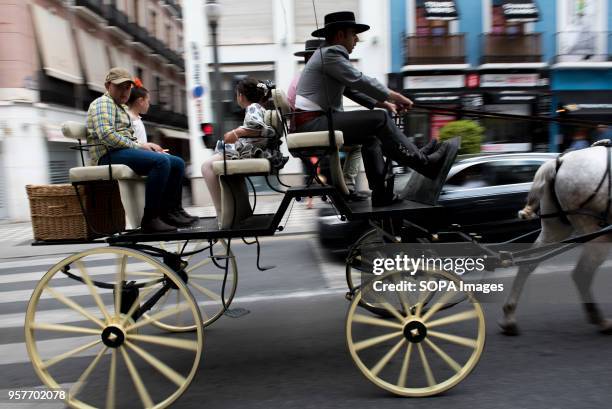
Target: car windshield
x,y
494,173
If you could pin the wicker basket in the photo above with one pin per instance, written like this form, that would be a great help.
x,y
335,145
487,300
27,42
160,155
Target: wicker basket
x,y
56,212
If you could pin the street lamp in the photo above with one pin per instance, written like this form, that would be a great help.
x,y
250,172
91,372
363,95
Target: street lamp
x,y
213,13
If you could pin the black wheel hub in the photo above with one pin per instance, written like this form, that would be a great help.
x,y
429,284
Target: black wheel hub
x,y
415,331
113,337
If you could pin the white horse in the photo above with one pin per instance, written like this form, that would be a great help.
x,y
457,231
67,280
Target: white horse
x,y
575,181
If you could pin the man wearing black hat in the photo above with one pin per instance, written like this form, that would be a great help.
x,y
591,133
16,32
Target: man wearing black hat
x,y
328,77
352,162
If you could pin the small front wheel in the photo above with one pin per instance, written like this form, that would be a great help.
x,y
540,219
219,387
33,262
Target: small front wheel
x,y
432,340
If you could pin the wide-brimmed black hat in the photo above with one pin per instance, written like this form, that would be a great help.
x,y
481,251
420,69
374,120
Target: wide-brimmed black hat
x,y
310,47
340,19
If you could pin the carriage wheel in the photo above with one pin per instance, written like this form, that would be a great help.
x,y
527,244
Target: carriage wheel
x,y
108,358
204,275
359,265
430,343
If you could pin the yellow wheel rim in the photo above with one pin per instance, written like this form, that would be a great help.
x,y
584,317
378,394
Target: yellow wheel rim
x,y
205,279
424,348
122,356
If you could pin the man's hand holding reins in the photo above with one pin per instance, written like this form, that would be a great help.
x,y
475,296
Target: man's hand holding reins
x,y
402,103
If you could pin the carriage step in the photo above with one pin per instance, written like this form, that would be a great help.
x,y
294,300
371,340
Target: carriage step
x,y
236,312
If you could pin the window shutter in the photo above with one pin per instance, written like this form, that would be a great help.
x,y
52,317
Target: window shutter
x,y
304,15
246,22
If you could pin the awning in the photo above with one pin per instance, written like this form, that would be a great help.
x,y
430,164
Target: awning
x,y
56,45
439,9
520,11
120,59
174,133
95,60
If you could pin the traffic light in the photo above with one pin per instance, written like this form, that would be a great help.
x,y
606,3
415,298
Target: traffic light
x,y
208,135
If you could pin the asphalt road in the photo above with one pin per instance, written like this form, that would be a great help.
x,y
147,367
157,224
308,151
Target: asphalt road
x,y
290,350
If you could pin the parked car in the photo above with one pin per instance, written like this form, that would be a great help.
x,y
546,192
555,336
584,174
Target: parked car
x,y
482,193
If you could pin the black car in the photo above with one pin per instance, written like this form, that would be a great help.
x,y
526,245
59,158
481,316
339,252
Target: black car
x,y
482,193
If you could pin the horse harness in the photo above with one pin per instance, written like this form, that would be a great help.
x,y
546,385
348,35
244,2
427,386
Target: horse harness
x,y
562,214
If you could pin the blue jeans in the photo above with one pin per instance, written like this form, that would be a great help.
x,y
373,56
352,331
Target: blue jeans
x,y
164,177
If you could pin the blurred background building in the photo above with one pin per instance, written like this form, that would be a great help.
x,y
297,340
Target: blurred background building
x,y
54,55
540,57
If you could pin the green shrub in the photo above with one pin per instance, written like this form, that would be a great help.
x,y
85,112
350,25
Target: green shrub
x,y
470,132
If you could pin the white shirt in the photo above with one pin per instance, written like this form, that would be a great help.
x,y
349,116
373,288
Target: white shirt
x,y
139,129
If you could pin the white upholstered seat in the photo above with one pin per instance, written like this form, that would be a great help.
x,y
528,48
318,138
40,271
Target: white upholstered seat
x,y
131,185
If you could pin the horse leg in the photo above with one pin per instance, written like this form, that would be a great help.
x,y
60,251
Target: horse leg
x,y
508,322
592,257
552,231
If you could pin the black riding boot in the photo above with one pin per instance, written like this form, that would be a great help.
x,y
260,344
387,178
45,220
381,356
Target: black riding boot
x,y
427,165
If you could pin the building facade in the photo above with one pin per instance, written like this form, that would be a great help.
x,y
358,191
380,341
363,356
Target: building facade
x,y
260,42
54,55
507,56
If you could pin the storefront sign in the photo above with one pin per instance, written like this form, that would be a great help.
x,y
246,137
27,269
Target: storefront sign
x,y
198,89
510,80
434,81
438,98
520,10
472,81
439,10
472,101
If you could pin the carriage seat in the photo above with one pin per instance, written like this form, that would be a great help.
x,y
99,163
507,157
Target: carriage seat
x,y
307,144
242,167
305,140
131,185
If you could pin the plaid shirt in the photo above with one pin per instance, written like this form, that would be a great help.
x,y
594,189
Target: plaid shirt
x,y
109,124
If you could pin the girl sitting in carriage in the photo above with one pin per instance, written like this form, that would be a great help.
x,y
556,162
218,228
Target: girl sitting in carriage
x,y
254,139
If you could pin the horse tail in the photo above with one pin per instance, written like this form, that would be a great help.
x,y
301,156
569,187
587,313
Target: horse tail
x,y
545,175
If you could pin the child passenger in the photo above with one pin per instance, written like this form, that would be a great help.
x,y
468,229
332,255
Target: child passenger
x,y
251,140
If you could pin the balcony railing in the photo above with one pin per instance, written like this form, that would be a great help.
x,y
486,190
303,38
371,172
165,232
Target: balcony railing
x,y
97,6
511,48
164,117
583,46
116,18
434,49
55,91
175,6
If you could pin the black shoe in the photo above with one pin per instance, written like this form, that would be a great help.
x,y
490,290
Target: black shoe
x,y
355,196
435,162
155,225
175,219
430,147
186,215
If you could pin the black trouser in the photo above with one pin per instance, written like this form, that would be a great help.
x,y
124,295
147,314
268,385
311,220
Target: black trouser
x,y
377,134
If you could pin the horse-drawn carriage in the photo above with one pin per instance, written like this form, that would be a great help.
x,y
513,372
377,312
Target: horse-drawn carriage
x,y
167,287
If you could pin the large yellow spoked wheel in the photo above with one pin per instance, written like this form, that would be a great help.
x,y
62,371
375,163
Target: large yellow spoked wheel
x,y
86,334
432,340
202,264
